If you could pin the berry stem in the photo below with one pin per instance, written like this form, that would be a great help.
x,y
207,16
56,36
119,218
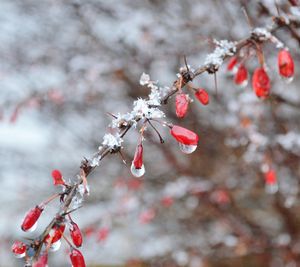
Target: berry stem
x,y
159,136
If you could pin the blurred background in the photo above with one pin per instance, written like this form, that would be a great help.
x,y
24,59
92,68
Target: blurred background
x,y
65,64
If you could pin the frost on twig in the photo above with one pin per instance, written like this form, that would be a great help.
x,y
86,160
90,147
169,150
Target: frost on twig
x,y
223,49
143,108
157,92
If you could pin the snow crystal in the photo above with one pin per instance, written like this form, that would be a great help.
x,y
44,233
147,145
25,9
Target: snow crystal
x,y
112,141
145,79
141,109
156,92
224,48
123,120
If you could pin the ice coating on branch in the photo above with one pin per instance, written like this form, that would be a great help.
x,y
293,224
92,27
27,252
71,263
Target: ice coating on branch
x,y
264,34
83,189
223,48
112,141
95,161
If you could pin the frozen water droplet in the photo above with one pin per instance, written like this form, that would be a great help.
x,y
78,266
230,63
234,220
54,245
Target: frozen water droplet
x,y
137,172
271,188
187,149
55,246
32,228
243,84
287,79
19,256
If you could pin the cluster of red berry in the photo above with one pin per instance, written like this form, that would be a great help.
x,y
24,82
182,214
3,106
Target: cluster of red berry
x,y
52,241
182,101
186,139
261,83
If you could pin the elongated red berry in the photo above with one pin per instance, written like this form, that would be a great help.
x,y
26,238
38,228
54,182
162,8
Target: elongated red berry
x,y
261,83
57,177
231,66
202,96
138,157
241,76
137,166
270,177
19,249
75,234
30,220
55,233
184,136
77,258
271,184
181,104
42,261
285,64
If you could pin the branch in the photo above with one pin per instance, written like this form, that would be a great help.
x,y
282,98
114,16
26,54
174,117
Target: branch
x,y
186,75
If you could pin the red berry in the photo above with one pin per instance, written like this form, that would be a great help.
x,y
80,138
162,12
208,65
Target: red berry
x,y
285,64
231,64
241,77
167,201
57,177
77,258
182,104
31,219
184,136
88,231
19,249
76,234
42,261
103,234
138,157
270,177
261,83
220,197
202,96
55,233
147,216
137,166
